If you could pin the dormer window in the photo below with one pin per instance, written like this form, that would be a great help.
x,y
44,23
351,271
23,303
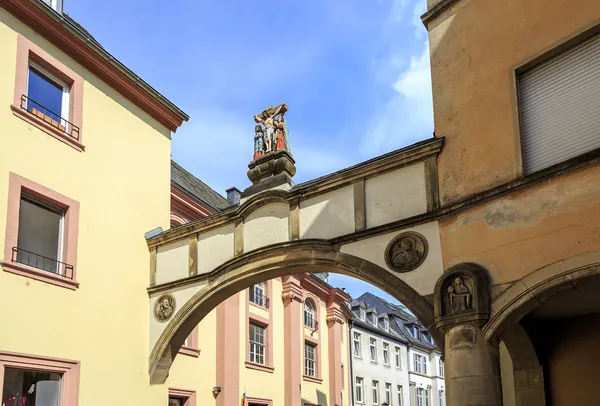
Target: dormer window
x,y
415,332
362,314
386,324
372,319
57,5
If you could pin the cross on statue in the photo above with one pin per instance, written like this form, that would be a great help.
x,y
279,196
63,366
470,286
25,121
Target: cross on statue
x,y
271,131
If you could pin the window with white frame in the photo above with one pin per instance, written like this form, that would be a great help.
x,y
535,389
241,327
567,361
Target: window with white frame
x,y
358,389
419,363
258,295
375,392
400,395
31,387
310,357
415,332
441,367
388,393
257,344
362,314
357,345
55,4
309,314
386,324
441,397
40,236
47,96
558,106
386,353
426,392
373,318
420,397
397,356
373,349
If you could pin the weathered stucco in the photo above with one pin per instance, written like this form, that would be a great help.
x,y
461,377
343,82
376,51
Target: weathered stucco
x,y
215,247
328,215
529,229
475,47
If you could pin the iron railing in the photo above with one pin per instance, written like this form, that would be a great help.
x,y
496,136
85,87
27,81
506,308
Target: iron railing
x,y
49,117
21,256
259,299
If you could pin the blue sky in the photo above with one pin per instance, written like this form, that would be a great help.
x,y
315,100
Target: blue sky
x,y
354,73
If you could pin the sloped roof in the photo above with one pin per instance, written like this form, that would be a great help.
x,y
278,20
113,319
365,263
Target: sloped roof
x,y
196,188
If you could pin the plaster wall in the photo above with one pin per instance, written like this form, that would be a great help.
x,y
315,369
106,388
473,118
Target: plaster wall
x,y
538,226
172,261
395,195
423,278
328,215
182,295
214,248
122,194
266,225
317,393
427,380
475,47
198,373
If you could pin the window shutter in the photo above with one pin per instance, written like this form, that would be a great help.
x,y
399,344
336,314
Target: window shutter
x,y
559,106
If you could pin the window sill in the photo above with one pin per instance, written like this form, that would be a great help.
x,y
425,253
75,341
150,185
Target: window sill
x,y
42,276
259,367
312,379
258,306
192,352
47,128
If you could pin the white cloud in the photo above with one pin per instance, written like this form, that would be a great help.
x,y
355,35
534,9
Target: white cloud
x,y
408,116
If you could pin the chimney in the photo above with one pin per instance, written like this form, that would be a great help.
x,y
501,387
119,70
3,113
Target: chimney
x,y
233,196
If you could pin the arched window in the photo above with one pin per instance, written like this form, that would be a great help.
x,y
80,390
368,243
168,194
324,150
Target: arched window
x,y
258,294
309,314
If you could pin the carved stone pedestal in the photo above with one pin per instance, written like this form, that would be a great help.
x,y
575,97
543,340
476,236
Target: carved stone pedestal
x,y
270,171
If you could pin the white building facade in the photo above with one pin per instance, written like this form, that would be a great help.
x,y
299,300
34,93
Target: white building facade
x,y
394,361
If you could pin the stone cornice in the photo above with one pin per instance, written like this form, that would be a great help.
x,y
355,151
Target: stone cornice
x,y
72,41
436,10
376,166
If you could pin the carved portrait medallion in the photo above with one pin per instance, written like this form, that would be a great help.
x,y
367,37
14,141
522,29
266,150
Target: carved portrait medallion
x,y
406,252
164,307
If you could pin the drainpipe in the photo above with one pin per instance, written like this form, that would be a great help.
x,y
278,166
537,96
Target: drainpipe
x,y
350,344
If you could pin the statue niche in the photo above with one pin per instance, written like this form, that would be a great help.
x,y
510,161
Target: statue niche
x,y
462,295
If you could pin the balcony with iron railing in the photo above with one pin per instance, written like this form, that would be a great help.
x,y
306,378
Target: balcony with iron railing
x,y
259,299
49,117
40,262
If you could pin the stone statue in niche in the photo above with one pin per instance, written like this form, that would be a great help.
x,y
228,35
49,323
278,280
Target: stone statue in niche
x,y
164,307
273,127
459,296
406,252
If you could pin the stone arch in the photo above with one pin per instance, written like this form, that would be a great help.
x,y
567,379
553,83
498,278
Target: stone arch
x,y
268,263
528,292
528,374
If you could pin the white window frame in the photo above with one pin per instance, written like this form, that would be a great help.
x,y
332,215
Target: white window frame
x,y
386,324
419,397
373,349
359,389
65,101
375,392
440,367
259,296
386,353
426,396
398,357
309,314
400,394
258,350
441,397
310,364
388,393
357,338
362,314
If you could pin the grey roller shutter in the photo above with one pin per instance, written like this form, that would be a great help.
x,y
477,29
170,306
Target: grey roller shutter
x,y
559,106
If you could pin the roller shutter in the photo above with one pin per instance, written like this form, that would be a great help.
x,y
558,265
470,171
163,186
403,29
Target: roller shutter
x,y
559,106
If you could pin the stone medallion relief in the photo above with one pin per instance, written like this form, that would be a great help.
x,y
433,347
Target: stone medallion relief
x,y
164,307
406,252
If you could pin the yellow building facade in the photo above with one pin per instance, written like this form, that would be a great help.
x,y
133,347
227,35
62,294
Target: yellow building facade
x,y
75,327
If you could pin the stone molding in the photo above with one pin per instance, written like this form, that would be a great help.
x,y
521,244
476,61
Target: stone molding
x,y
461,296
